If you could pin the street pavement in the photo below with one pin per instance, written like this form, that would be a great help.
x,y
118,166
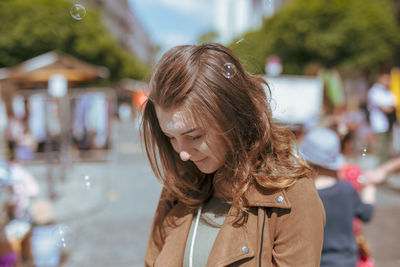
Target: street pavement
x,y
383,232
110,217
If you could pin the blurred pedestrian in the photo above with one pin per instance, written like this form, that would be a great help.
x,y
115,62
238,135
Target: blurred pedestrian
x,y
381,108
334,95
321,148
382,172
234,193
14,134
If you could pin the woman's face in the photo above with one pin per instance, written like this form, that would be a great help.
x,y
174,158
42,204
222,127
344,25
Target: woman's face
x,y
191,141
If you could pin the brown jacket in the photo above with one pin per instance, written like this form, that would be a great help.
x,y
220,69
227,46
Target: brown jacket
x,y
284,228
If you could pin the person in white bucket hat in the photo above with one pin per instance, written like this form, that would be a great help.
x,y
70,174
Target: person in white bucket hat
x,y
321,149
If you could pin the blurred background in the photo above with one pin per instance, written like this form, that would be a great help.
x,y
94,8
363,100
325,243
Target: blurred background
x,y
75,186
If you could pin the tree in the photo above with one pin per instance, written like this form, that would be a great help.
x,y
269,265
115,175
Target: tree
x,y
32,27
348,34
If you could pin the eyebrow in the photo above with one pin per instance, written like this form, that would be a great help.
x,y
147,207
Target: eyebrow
x,y
189,131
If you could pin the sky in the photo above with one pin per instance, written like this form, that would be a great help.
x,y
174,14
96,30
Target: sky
x,y
174,22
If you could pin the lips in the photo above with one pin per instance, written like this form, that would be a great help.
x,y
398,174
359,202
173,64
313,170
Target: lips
x,y
199,161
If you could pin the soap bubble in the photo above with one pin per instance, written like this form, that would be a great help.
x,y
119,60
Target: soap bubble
x,y
239,41
87,181
78,12
62,236
229,70
364,151
241,44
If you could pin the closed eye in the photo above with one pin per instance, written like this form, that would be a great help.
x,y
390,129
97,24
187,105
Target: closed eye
x,y
196,137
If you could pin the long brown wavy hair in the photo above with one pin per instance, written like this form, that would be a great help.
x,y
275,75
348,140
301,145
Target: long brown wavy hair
x,y
235,105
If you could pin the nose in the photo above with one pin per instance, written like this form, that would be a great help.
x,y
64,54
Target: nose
x,y
185,156
184,149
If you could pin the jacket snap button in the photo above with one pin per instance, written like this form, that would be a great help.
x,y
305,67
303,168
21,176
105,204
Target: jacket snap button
x,y
245,249
279,199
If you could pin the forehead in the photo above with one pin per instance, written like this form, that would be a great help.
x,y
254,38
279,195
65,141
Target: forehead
x,y
175,120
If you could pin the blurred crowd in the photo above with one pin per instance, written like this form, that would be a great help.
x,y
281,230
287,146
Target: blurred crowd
x,y
365,127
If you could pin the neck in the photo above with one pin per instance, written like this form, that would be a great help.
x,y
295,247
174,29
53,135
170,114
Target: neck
x,y
325,178
322,181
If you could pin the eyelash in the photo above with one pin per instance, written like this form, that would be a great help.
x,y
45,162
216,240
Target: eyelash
x,y
196,137
193,138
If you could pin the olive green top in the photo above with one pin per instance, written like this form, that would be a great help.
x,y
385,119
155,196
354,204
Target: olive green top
x,y
211,219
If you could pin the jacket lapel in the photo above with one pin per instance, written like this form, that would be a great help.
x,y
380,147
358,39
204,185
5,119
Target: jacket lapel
x,y
231,245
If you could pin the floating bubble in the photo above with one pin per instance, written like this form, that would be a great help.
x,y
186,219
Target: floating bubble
x,y
87,181
78,12
62,235
229,70
240,41
364,151
241,44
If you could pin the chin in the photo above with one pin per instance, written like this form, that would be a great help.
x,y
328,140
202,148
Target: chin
x,y
207,169
208,166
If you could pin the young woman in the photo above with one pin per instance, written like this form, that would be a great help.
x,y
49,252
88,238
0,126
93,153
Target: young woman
x,y
234,192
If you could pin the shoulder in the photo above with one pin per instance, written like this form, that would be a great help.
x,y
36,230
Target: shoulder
x,y
305,203
303,191
305,220
169,211
376,90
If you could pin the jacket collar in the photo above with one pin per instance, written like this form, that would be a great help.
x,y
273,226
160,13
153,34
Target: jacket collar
x,y
233,243
226,249
261,197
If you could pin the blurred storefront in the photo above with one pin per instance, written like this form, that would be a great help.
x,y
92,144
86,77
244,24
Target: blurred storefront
x,y
47,106
49,115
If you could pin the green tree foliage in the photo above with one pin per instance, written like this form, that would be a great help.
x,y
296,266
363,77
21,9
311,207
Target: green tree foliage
x,y
29,28
348,34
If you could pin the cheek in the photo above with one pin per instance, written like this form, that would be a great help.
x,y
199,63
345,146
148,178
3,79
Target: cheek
x,y
213,149
203,148
220,150
174,145
221,154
